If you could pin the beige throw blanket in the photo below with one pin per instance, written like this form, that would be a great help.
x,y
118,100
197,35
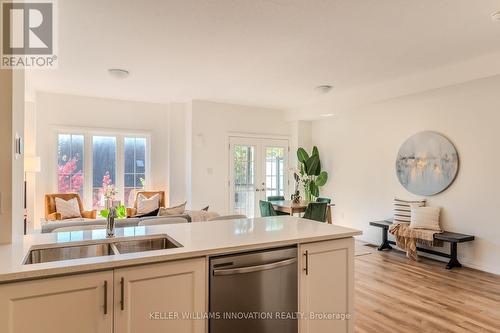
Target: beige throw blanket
x,y
407,238
200,215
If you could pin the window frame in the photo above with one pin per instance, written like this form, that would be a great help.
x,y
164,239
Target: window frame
x,y
135,173
88,134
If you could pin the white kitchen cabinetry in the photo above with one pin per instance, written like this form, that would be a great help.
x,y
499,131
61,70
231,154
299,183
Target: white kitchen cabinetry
x,y
149,298
326,286
154,298
73,304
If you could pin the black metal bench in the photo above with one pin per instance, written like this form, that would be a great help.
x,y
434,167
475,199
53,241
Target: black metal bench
x,y
449,237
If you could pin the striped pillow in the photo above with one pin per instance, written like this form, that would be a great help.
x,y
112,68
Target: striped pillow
x,y
402,209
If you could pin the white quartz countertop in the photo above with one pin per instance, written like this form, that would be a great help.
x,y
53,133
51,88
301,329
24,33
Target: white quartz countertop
x,y
197,240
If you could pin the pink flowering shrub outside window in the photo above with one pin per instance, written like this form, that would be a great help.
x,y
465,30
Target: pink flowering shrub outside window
x,y
70,176
70,180
103,177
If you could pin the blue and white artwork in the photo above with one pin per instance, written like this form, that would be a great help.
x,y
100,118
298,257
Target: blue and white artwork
x,y
427,163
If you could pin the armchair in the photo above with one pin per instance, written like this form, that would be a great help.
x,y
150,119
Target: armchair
x,y
148,194
51,213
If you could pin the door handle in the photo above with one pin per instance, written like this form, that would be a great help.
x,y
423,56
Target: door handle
x,y
122,293
306,269
106,297
250,269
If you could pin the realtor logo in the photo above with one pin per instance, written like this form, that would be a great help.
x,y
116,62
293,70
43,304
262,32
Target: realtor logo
x,y
28,35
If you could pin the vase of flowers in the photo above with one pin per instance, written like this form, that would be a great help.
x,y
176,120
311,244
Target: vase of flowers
x,y
108,191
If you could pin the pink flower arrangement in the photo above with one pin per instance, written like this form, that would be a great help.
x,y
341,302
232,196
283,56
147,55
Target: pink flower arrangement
x,y
108,188
107,192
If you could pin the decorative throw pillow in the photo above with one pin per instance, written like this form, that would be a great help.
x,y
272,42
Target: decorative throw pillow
x,y
147,205
176,210
67,208
425,218
402,209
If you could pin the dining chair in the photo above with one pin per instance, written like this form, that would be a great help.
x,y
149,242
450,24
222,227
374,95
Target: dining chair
x,y
266,209
316,211
327,200
276,198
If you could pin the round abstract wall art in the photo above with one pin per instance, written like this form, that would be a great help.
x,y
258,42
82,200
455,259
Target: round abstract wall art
x,y
427,163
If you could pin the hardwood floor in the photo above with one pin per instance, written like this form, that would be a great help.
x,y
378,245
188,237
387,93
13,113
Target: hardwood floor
x,y
394,295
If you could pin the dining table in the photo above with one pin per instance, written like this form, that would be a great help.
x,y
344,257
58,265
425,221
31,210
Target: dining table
x,y
290,207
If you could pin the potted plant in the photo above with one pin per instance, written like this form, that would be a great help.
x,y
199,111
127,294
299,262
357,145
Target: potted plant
x,y
310,174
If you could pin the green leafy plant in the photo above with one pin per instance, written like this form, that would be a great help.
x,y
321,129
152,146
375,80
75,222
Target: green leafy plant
x,y
121,212
310,174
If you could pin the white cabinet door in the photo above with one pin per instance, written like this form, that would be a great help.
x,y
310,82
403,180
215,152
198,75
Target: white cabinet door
x,y
65,304
326,286
154,298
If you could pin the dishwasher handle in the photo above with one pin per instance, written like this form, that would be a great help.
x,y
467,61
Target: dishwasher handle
x,y
250,269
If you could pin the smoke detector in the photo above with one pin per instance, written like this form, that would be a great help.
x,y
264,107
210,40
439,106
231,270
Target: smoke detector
x,y
118,73
324,89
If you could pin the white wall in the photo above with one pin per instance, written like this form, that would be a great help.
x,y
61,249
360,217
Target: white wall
x,y
301,138
18,105
178,156
5,156
30,150
359,151
57,110
212,123
11,167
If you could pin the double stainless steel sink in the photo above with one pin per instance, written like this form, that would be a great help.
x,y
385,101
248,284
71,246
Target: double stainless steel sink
x,y
105,247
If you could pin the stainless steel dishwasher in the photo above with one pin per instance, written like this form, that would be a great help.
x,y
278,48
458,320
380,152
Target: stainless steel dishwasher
x,y
255,292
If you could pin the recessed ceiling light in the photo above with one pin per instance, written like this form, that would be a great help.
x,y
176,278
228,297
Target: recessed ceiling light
x,y
324,89
118,73
495,16
328,115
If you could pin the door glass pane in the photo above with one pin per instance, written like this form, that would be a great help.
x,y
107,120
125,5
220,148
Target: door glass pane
x,y
135,167
275,178
244,180
70,175
103,168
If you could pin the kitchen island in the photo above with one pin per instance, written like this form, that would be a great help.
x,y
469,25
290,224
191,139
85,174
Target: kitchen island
x,y
157,290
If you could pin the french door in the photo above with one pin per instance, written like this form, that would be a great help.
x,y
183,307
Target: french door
x,y
258,168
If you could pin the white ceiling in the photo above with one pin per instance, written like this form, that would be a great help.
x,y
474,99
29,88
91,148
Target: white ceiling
x,y
259,52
